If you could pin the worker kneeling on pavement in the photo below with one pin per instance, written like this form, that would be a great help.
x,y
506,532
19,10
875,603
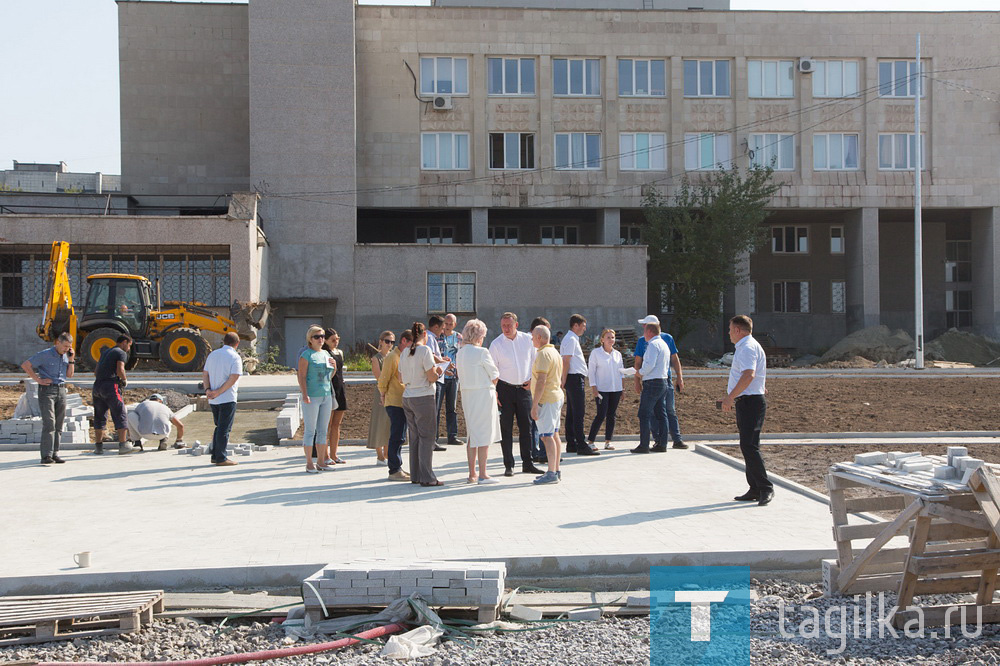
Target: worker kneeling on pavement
x,y
151,419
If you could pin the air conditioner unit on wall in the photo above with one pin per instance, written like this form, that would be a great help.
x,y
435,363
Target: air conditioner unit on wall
x,y
807,65
441,103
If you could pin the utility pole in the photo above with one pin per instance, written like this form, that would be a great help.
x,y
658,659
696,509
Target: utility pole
x,y
918,158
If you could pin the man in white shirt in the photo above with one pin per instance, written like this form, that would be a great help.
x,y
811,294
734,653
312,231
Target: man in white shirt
x,y
513,352
746,391
574,383
654,372
223,368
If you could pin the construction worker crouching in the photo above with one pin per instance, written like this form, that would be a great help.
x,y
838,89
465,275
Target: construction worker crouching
x,y
151,419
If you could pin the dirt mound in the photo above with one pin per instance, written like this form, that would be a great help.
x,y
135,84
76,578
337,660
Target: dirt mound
x,y
875,344
955,345
853,362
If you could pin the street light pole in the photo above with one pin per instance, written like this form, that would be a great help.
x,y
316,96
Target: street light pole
x,y
918,158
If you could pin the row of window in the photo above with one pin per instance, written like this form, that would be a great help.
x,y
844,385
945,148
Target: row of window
x,y
647,151
186,277
642,77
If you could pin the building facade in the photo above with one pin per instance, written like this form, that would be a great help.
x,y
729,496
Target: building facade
x,y
414,160
37,177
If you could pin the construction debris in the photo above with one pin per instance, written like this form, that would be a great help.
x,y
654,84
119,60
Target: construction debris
x,y
882,347
962,347
290,416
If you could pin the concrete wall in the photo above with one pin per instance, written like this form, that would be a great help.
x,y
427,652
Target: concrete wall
x,y
896,258
588,4
185,97
18,338
65,204
302,139
605,284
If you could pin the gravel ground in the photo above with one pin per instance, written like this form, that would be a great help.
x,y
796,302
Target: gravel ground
x,y
611,641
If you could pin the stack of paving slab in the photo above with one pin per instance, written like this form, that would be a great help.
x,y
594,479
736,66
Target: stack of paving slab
x,y
958,468
244,449
290,416
28,430
380,582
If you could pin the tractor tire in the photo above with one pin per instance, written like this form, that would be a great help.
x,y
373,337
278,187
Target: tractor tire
x,y
94,344
184,350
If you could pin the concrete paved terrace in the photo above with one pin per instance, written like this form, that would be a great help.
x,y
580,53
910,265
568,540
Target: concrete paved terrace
x,y
164,519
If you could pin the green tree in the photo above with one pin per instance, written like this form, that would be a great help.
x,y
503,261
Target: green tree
x,y
696,239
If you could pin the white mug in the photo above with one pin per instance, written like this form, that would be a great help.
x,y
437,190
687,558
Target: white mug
x,y
82,559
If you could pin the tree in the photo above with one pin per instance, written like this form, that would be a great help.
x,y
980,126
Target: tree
x,y
696,240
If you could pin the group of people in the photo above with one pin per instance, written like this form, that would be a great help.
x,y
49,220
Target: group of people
x,y
519,376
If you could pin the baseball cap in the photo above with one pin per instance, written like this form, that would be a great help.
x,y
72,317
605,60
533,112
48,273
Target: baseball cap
x,y
156,396
649,319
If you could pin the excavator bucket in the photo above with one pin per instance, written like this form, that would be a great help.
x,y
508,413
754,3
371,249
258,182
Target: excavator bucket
x,y
249,318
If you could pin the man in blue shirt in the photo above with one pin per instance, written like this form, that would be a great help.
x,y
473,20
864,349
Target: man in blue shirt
x,y
653,375
51,368
450,340
668,397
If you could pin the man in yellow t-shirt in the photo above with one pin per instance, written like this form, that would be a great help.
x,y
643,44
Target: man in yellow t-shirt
x,y
547,399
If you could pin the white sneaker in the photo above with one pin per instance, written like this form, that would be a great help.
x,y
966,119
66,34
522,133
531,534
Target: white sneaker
x,y
382,463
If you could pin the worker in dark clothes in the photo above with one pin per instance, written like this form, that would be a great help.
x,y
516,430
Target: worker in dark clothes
x,y
108,384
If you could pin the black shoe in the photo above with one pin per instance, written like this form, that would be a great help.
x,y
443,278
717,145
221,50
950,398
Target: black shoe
x,y
98,449
438,447
659,448
765,498
587,452
748,496
531,469
47,460
570,449
508,472
680,445
639,449
454,441
57,460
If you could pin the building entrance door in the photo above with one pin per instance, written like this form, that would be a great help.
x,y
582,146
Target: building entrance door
x,y
295,337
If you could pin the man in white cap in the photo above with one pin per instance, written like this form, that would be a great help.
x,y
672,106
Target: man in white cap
x,y
151,419
674,373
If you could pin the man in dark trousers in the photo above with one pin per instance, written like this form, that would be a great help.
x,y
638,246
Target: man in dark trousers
x,y
746,392
109,380
51,368
574,381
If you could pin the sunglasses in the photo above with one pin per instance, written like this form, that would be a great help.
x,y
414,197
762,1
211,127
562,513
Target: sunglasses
x,y
389,342
318,336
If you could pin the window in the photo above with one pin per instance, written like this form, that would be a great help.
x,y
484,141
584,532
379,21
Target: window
x,y
669,294
510,76
631,234
775,150
451,292
791,297
789,240
642,78
642,151
435,235
706,152
958,308
22,280
444,76
753,297
898,78
770,78
576,77
559,235
836,240
835,78
958,261
835,152
706,78
444,151
510,150
578,150
838,297
503,235
898,152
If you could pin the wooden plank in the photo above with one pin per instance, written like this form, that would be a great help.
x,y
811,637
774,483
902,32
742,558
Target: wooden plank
x,y
889,582
935,616
986,488
988,580
863,531
839,512
175,600
84,595
883,503
945,531
918,541
959,517
850,573
976,560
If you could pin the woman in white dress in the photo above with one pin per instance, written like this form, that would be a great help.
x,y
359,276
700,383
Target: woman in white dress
x,y
477,378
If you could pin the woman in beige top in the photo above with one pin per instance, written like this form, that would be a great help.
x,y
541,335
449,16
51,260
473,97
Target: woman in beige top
x,y
378,422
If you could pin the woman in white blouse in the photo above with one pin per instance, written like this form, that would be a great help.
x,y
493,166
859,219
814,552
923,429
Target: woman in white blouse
x,y
477,378
605,372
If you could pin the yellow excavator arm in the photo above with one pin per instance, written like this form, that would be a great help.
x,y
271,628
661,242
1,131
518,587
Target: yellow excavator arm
x,y
58,315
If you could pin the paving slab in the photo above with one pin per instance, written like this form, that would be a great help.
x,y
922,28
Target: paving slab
x,y
164,512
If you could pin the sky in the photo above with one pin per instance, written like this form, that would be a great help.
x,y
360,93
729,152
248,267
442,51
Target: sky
x,y
60,79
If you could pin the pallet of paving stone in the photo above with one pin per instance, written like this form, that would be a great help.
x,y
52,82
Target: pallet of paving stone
x,y
40,619
377,583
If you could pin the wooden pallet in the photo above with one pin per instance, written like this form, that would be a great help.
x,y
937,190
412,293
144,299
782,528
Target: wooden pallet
x,y
40,619
953,533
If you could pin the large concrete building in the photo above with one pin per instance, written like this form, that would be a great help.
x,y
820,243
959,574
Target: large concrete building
x,y
413,160
39,177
